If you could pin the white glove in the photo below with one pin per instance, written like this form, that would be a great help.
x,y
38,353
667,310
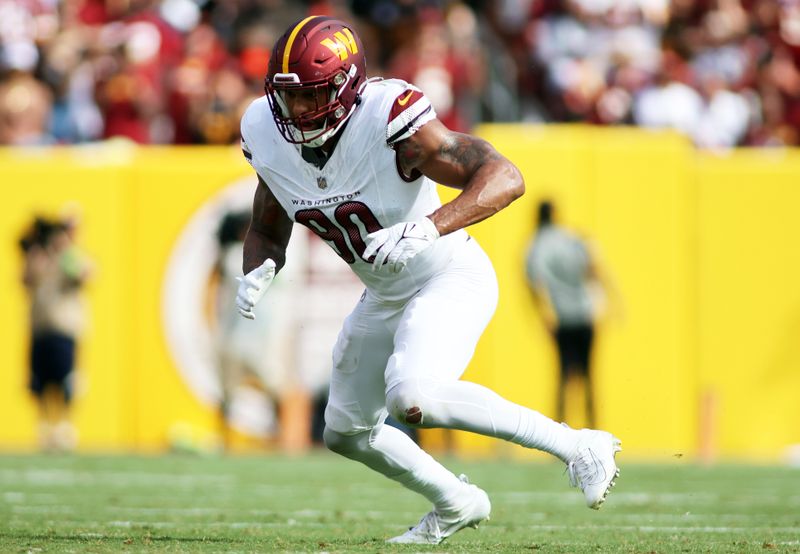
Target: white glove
x,y
253,286
399,243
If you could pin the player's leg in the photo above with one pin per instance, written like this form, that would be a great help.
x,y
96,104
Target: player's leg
x,y
355,413
435,339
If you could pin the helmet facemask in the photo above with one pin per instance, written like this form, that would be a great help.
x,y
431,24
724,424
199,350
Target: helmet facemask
x,y
316,126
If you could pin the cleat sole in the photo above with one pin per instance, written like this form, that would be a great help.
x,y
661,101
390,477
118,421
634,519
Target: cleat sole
x,y
474,524
617,444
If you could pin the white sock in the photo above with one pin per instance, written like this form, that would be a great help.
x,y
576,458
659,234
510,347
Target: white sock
x,y
470,407
423,474
538,431
392,453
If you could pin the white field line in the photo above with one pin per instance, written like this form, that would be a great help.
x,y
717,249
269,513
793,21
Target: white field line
x,y
270,490
636,520
633,497
168,511
568,498
212,524
665,528
205,512
529,495
127,524
16,497
688,517
302,517
47,509
302,514
51,477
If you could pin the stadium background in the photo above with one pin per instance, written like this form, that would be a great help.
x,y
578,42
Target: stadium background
x,y
704,363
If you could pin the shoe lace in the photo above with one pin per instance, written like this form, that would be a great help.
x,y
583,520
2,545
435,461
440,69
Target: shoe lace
x,y
428,526
573,478
584,469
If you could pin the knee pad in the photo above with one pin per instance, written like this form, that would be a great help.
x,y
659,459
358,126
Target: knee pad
x,y
406,404
345,445
335,442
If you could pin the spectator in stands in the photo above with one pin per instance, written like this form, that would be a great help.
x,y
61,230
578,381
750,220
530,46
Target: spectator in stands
x,y
67,69
178,71
669,101
25,109
448,75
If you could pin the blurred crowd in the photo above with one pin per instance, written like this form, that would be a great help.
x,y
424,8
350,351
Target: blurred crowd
x,y
723,72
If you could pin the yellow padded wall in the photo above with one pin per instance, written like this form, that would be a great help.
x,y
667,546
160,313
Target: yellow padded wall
x,y
749,300
92,183
172,184
630,192
704,358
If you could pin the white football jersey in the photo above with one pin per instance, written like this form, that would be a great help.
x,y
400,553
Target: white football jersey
x,y
360,189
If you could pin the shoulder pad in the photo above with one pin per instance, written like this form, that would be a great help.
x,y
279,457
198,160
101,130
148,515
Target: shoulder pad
x,y
409,111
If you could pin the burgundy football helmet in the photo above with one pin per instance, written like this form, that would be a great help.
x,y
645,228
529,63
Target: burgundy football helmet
x,y
317,53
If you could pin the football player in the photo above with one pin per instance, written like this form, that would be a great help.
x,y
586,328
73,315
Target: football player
x,y
356,160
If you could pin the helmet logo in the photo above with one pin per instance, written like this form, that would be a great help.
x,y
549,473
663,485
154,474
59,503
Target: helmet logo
x,y
344,43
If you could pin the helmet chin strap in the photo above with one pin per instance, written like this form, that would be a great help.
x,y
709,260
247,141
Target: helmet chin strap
x,y
299,137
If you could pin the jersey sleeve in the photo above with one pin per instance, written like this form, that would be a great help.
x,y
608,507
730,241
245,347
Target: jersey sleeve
x,y
251,117
409,111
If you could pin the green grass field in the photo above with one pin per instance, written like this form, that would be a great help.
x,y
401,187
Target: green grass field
x,y
322,503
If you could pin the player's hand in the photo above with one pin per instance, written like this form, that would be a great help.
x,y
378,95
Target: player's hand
x,y
399,243
253,286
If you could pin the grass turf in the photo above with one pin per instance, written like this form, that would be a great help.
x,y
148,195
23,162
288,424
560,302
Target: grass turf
x,y
323,503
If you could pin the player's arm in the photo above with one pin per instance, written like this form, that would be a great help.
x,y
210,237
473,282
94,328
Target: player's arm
x,y
269,231
489,181
264,249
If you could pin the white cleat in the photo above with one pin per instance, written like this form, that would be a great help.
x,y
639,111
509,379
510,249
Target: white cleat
x,y
435,527
593,468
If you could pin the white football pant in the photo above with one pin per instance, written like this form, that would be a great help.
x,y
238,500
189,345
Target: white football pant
x,y
406,359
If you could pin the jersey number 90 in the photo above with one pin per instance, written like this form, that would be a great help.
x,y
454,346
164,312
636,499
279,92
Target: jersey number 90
x,y
345,238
